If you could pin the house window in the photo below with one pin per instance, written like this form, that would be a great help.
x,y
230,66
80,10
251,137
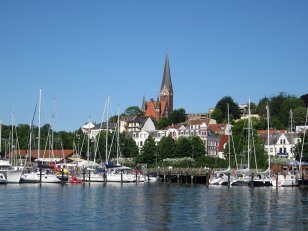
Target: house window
x,y
141,143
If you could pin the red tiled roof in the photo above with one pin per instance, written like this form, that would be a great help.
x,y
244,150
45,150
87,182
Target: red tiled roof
x,y
222,141
45,153
198,121
271,131
217,128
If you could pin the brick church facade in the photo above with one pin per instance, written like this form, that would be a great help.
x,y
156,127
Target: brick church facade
x,y
163,106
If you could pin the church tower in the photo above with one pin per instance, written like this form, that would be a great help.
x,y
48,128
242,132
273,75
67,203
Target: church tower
x,y
166,90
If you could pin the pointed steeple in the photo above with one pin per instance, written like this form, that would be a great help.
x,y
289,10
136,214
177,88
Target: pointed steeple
x,y
158,104
143,104
166,83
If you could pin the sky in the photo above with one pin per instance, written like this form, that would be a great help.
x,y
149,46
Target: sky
x,y
79,52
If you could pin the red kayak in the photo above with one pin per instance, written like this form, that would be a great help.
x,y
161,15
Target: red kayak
x,y
74,180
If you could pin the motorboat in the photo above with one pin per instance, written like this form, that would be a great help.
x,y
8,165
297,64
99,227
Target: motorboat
x,y
29,176
11,175
2,179
285,180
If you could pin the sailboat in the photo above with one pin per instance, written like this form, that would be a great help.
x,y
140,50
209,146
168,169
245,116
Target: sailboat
x,y
45,173
7,171
289,178
243,176
29,174
264,178
302,179
116,172
223,177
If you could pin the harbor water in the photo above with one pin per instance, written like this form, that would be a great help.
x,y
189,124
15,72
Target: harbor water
x,y
157,206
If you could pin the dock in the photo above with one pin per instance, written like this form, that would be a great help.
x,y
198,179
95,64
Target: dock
x,y
183,175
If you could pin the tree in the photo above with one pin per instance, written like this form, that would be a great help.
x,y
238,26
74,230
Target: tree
x,y
148,151
298,149
133,111
305,99
166,148
299,115
280,107
177,116
197,145
162,123
220,113
240,134
129,147
183,147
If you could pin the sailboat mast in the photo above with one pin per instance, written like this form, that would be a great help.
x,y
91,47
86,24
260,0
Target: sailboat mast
x,y
107,127
268,137
12,139
39,126
88,145
0,136
303,141
248,145
118,137
229,128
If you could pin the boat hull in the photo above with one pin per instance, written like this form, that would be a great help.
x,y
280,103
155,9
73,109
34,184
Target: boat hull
x,y
12,176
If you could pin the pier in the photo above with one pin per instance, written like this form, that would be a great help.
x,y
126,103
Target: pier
x,y
184,175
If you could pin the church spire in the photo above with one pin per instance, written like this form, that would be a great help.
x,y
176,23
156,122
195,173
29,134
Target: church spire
x,y
166,83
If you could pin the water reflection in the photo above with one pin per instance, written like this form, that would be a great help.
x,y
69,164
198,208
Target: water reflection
x,y
98,206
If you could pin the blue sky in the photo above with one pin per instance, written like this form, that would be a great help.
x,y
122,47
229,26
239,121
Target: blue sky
x,y
79,52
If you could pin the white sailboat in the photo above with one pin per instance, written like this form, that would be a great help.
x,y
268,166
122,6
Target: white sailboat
x,y
223,177
8,173
243,176
118,173
288,179
264,178
46,175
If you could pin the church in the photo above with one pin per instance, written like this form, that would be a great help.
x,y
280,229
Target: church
x,y
163,106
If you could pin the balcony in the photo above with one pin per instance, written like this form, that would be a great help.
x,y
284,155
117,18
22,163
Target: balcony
x,y
283,154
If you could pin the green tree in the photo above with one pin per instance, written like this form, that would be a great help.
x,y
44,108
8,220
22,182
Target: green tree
x,y
240,139
197,145
133,111
148,152
183,147
298,149
177,116
166,148
162,123
305,99
129,146
220,113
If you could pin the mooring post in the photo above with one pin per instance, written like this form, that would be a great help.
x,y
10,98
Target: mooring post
x,y
206,179
122,177
89,176
40,174
252,179
229,180
62,179
277,180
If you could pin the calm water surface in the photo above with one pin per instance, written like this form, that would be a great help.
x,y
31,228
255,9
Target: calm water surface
x,y
151,207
